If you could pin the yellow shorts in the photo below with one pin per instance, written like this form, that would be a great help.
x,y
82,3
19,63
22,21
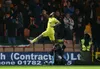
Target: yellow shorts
x,y
50,34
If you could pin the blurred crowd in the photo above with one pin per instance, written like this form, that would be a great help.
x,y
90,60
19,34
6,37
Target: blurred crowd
x,y
21,17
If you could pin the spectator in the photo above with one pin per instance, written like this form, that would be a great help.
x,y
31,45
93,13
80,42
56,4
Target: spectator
x,y
1,25
19,22
58,15
1,21
54,5
7,5
79,25
60,28
90,13
32,26
26,16
64,3
21,6
49,7
97,27
79,4
15,10
37,11
44,20
69,23
90,17
11,29
98,9
69,9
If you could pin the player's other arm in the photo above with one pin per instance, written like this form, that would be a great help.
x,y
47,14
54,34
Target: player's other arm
x,y
56,22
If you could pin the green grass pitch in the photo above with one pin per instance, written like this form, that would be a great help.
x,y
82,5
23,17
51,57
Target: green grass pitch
x,y
49,67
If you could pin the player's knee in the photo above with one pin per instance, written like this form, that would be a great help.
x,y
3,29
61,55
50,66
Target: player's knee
x,y
53,41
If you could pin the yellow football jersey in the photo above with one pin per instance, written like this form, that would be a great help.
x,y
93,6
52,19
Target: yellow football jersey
x,y
51,23
50,28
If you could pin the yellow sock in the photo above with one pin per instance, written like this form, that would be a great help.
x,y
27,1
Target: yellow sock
x,y
60,40
34,40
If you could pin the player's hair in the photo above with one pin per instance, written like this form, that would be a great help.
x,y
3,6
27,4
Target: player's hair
x,y
52,14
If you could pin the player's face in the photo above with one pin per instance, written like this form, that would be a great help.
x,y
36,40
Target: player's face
x,y
44,12
57,13
7,15
77,11
27,8
69,4
67,15
22,2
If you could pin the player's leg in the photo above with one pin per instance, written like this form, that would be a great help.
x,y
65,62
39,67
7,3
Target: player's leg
x,y
37,38
52,39
59,40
